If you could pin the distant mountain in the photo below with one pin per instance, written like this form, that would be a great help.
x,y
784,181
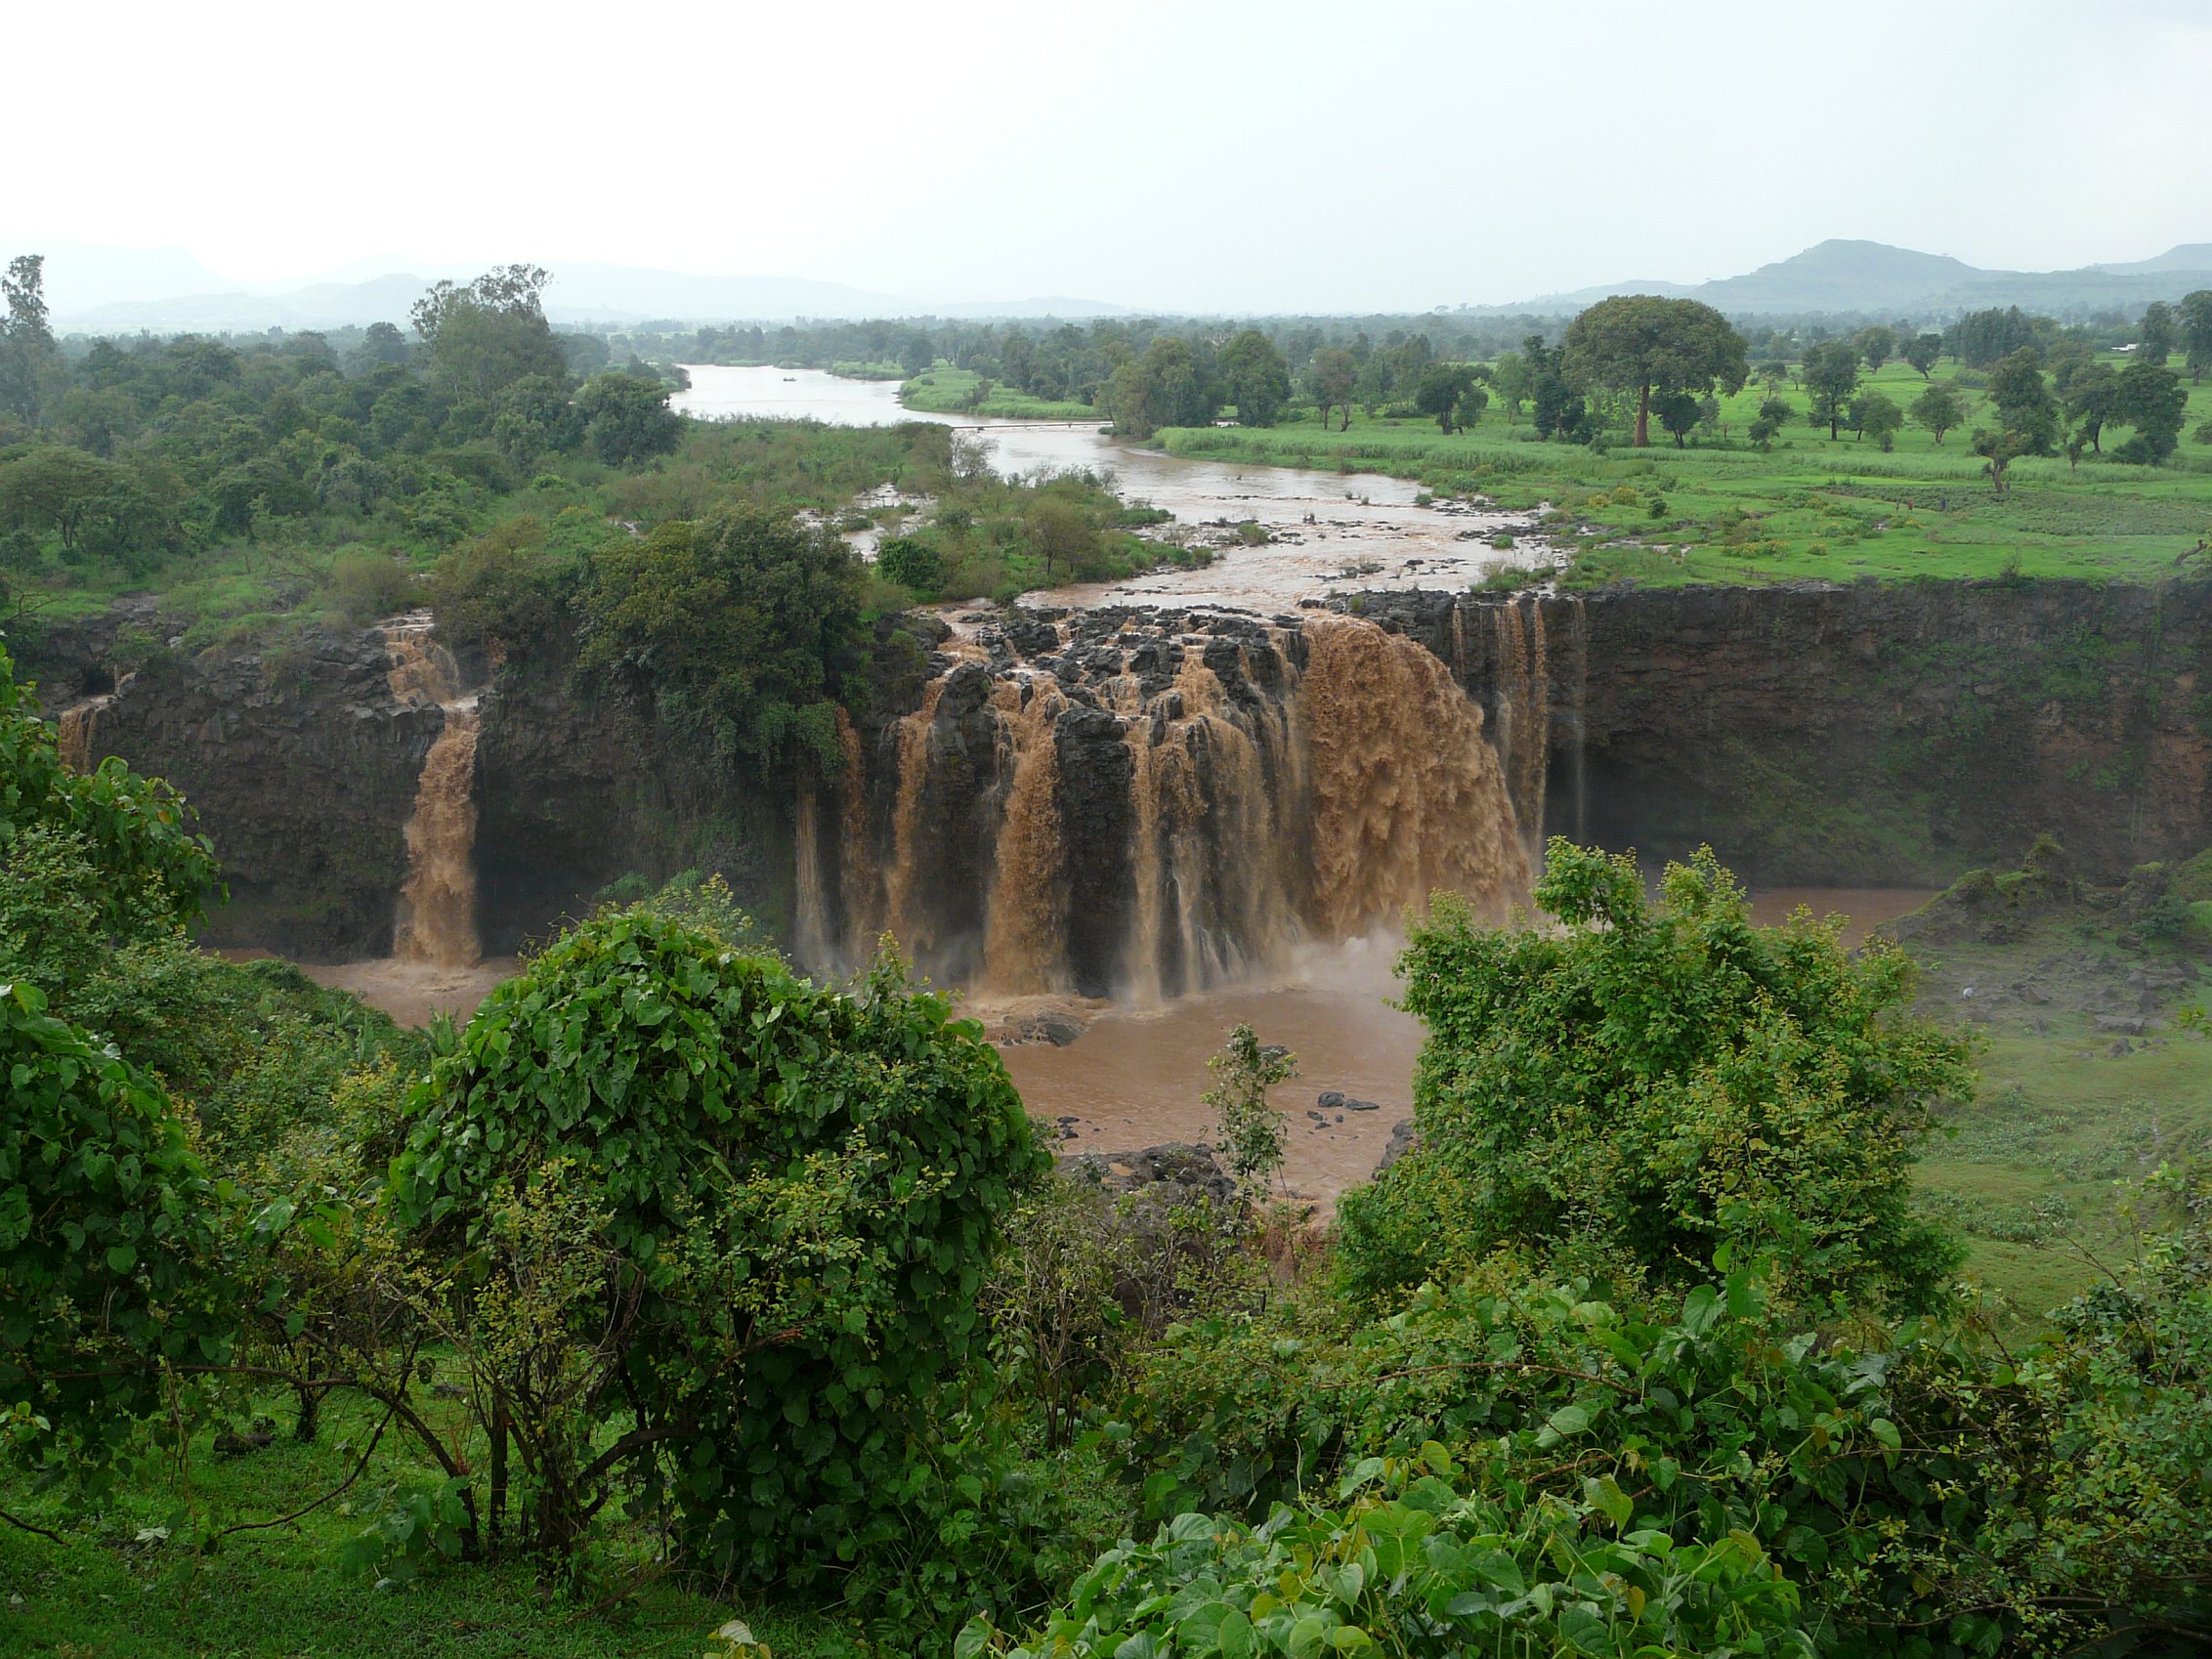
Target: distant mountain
x,y
104,301
2189,256
1873,278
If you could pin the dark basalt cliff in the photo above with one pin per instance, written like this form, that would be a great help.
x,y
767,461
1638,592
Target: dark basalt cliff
x,y
1838,735
1812,735
301,764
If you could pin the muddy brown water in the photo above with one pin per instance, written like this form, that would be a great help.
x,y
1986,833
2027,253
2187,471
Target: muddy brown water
x,y
1330,531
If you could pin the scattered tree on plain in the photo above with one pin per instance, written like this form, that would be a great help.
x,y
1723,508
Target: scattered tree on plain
x,y
1640,344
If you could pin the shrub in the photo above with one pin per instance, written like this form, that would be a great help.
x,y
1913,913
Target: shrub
x,y
1652,1081
112,1264
365,586
912,563
772,1207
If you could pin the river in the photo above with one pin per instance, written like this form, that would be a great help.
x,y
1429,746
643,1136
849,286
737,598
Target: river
x,y
1327,531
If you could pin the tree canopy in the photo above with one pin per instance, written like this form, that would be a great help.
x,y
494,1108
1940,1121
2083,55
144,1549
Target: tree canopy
x,y
1659,1080
1640,344
742,624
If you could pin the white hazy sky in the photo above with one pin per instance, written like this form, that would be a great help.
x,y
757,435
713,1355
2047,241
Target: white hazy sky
x,y
1211,155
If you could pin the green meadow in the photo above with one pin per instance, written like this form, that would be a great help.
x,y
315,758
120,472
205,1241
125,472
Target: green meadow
x,y
1718,510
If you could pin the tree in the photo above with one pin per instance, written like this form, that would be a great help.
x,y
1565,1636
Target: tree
x,y
1939,409
1555,408
382,346
1650,1080
2092,398
2154,334
30,364
2023,401
1922,351
1874,414
111,1266
753,1214
1877,345
1998,450
1255,378
1509,380
914,564
741,625
2151,397
1773,414
627,419
2196,332
1333,378
95,508
1831,375
1168,386
1449,394
1774,375
1981,338
1677,412
481,337
1248,1130
1639,344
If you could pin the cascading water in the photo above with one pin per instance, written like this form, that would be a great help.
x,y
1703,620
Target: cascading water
x,y
77,729
1145,804
437,920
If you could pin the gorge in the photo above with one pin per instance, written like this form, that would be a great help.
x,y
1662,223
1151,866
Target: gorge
x,y
1865,734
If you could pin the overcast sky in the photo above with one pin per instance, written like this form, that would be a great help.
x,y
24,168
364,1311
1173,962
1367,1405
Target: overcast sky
x,y
1211,155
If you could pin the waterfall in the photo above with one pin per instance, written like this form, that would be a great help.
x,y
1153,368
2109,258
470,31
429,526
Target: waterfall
x,y
437,920
1146,803
1025,942
1408,795
1521,695
77,728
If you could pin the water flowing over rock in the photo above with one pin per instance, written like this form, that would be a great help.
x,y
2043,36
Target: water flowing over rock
x,y
437,919
1143,803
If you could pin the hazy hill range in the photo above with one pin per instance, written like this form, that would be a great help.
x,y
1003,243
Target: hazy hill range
x,y
1841,276
92,292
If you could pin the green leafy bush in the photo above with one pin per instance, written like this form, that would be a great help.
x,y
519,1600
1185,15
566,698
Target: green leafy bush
x,y
786,1196
1651,1081
1413,1567
912,563
112,1242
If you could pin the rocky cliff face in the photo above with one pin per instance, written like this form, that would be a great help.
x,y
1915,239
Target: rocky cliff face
x,y
301,763
1119,800
1868,734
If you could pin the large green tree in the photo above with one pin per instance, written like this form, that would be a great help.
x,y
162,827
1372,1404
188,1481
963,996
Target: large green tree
x,y
2024,402
2196,332
481,336
1644,1081
2152,399
626,418
742,626
1639,344
2154,334
1332,377
1255,378
1831,375
1939,409
30,364
2091,392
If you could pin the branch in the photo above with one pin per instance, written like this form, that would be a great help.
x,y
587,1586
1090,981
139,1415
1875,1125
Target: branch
x,y
17,1520
310,1509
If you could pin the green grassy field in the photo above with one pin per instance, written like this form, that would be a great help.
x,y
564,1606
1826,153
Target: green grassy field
x,y
116,1588
949,391
1809,508
882,371
2035,1171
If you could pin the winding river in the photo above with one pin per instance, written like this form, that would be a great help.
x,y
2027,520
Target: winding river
x,y
1327,531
